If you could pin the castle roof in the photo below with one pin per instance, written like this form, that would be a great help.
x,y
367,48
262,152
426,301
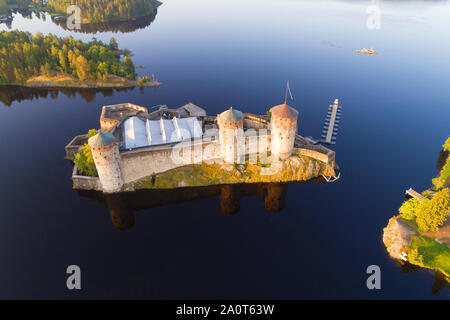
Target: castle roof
x,y
192,110
231,115
284,111
101,139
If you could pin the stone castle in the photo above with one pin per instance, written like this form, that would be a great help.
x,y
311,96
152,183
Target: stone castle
x,y
133,144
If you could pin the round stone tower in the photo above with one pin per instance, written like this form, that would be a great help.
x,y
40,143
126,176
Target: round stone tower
x,y
283,125
229,122
107,161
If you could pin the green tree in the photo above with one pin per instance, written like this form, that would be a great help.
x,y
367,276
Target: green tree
x,y
113,45
129,68
444,176
446,145
433,213
85,161
409,208
91,133
103,68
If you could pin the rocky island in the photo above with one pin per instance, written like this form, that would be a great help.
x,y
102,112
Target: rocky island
x,y
420,235
184,147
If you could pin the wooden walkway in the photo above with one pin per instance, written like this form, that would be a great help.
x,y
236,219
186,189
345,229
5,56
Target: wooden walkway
x,y
413,193
331,125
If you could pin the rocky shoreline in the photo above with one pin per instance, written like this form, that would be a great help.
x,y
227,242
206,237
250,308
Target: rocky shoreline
x,y
396,236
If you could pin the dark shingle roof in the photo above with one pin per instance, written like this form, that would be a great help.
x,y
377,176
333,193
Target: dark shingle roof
x,y
101,139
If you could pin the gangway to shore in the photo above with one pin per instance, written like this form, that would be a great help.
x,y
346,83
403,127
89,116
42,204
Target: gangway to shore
x,y
331,124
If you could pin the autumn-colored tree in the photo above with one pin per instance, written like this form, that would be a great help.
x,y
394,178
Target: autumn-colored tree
x,y
409,208
446,145
91,133
85,162
432,214
83,68
111,10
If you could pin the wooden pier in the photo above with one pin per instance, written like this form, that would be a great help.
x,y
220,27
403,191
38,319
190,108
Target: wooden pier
x,y
414,194
331,125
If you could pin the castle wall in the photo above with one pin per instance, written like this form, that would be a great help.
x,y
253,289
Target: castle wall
x,y
74,146
327,158
107,161
141,164
255,124
108,124
85,182
108,121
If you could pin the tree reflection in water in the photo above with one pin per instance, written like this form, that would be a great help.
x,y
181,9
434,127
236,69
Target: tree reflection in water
x,y
91,28
10,94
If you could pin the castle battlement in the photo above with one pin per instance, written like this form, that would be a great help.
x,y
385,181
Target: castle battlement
x,y
133,144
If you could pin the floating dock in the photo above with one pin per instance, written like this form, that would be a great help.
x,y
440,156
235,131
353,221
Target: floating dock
x,y
331,125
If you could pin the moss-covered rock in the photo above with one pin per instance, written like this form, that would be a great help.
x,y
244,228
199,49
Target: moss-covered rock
x,y
295,168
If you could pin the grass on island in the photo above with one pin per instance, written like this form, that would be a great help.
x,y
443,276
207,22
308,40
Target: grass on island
x,y
427,253
296,168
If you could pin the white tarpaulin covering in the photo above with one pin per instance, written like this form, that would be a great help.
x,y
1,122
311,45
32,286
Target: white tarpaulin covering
x,y
141,133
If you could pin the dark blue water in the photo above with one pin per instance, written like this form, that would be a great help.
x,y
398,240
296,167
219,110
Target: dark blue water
x,y
218,54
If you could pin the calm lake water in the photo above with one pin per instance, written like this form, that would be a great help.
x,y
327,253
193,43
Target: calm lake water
x,y
218,54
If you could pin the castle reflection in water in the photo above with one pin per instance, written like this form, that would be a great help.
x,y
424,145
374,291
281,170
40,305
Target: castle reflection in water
x,y
121,206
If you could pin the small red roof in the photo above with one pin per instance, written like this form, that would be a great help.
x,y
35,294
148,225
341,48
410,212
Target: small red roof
x,y
284,111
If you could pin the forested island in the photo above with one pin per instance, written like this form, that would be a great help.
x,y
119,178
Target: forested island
x,y
49,61
93,11
96,16
420,234
7,5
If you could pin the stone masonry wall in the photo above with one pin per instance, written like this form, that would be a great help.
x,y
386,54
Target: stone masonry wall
x,y
315,155
137,165
141,164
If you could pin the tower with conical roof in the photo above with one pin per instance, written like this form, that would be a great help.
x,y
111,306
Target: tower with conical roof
x,y
283,124
231,124
107,161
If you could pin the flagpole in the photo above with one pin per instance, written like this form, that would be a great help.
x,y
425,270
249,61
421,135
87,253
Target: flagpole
x,y
287,88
